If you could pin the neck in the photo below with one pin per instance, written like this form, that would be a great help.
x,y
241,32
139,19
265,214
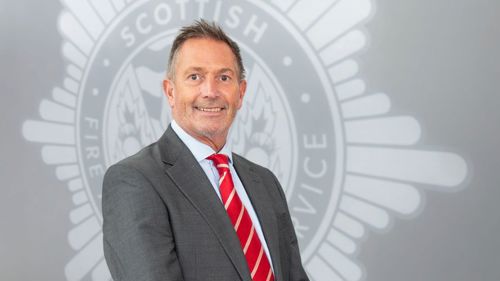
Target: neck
x,y
215,143
215,140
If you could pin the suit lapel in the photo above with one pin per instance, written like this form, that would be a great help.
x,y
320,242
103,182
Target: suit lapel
x,y
186,173
262,205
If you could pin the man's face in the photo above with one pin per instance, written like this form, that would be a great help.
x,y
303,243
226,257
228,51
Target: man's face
x,y
205,92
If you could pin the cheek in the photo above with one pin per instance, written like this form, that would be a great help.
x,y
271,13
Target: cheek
x,y
184,105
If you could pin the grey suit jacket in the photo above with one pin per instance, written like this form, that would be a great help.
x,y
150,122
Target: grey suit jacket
x,y
163,220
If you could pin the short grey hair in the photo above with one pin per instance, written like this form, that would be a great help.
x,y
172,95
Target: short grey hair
x,y
203,29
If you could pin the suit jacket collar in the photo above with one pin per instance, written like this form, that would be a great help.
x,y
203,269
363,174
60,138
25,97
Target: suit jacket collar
x,y
185,171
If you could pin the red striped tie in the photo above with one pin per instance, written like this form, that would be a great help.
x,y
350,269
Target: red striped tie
x,y
257,261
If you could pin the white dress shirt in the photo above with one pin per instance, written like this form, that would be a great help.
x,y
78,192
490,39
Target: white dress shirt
x,y
201,151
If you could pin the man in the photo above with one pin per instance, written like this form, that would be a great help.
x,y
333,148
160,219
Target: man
x,y
185,207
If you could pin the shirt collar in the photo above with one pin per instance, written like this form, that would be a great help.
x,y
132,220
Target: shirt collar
x,y
200,150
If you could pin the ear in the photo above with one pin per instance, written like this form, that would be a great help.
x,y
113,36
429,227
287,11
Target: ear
x,y
242,91
168,90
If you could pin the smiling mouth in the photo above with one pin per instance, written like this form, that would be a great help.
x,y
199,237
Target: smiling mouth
x,y
209,109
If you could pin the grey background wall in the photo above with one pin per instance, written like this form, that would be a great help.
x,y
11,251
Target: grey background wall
x,y
437,63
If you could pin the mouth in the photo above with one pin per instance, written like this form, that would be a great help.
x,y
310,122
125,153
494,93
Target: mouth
x,y
209,109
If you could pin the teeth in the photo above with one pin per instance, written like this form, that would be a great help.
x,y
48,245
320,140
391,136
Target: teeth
x,y
214,109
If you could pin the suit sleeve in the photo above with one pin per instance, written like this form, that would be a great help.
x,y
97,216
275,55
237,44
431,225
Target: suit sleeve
x,y
295,270
138,240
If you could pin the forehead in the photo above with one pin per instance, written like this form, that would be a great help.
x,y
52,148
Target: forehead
x,y
205,53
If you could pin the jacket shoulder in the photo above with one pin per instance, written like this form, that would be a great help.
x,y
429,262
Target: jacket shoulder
x,y
145,160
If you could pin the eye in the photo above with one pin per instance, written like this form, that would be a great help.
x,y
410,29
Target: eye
x,y
225,77
194,77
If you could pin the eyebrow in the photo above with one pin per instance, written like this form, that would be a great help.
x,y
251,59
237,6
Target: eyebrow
x,y
193,68
202,70
226,70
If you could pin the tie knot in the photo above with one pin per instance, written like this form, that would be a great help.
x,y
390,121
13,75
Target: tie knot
x,y
220,160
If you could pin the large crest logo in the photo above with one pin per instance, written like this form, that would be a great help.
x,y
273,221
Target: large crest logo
x,y
346,162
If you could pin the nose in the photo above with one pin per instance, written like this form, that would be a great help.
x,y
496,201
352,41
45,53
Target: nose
x,y
209,88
